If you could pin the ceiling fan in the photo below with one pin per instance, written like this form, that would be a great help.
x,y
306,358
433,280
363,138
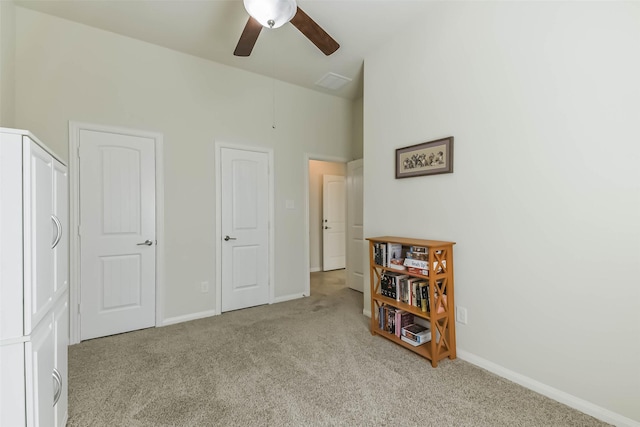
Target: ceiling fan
x,y
274,14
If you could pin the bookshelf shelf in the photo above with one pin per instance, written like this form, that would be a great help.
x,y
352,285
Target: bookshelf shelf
x,y
439,317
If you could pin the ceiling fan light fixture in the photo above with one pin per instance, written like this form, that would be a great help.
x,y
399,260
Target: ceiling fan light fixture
x,y
271,13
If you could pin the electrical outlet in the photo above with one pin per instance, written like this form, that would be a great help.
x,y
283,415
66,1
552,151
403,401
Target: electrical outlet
x,y
461,315
204,287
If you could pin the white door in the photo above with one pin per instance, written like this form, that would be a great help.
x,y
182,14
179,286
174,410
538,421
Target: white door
x,y
333,222
245,228
61,213
40,232
117,233
355,237
40,374
61,360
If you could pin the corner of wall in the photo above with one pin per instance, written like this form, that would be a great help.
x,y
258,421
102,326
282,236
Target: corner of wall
x,y
7,63
357,141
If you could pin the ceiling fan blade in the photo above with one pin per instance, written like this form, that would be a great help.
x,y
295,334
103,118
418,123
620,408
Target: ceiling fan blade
x,y
314,32
248,38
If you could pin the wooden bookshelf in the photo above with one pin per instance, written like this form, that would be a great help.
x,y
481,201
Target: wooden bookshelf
x,y
440,316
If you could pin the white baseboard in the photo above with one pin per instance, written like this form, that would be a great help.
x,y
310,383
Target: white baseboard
x,y
188,317
553,393
287,298
366,312
314,269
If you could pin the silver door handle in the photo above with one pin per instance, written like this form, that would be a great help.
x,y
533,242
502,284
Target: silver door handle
x,y
145,243
57,386
56,222
227,238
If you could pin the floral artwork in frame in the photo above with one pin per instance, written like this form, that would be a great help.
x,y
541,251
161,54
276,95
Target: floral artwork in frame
x,y
427,158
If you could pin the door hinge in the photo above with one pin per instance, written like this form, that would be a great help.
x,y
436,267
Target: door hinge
x,y
78,151
78,308
79,232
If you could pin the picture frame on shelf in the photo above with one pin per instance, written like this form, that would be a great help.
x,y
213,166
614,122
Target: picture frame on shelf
x,y
427,158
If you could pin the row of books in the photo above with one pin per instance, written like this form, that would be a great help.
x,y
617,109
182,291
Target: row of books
x,y
417,252
392,319
403,325
409,290
384,253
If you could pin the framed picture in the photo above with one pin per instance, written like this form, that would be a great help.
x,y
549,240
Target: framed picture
x,y
427,158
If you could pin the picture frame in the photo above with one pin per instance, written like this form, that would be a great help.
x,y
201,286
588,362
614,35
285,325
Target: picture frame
x,y
427,158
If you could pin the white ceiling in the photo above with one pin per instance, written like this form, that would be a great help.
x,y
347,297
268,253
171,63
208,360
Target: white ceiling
x,y
210,29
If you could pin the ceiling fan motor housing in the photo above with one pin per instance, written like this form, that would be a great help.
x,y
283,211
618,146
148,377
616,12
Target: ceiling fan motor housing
x,y
271,13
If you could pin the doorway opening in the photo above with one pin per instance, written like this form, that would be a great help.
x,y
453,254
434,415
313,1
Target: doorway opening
x,y
327,213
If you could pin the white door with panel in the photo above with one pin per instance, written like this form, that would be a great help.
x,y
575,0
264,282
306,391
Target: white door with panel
x,y
117,233
61,361
355,237
334,215
61,214
40,357
41,232
245,228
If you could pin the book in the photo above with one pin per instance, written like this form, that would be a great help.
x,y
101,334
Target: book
x,y
415,293
415,270
424,296
423,264
387,287
417,333
380,254
410,291
405,293
390,284
440,303
383,251
403,319
397,264
412,342
424,256
417,263
377,254
391,320
394,251
418,249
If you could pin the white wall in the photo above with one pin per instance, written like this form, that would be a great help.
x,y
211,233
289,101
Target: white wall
x,y
66,71
544,202
317,168
7,63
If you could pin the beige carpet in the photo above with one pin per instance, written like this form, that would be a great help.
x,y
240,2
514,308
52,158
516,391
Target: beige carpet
x,y
308,362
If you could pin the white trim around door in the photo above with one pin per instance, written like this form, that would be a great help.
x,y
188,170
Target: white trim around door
x,y
74,218
218,146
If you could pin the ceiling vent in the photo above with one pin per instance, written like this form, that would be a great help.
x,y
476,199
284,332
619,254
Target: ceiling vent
x,y
333,81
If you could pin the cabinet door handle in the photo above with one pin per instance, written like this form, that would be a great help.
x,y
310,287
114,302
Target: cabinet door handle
x,y
57,386
56,222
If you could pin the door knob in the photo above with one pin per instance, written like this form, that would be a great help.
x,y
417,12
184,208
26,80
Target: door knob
x,y
227,238
145,243
326,228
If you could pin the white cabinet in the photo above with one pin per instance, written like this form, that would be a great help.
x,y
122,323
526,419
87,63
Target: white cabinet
x,y
34,308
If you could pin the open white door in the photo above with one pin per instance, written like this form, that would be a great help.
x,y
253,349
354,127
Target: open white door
x,y
117,233
355,238
334,214
245,228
